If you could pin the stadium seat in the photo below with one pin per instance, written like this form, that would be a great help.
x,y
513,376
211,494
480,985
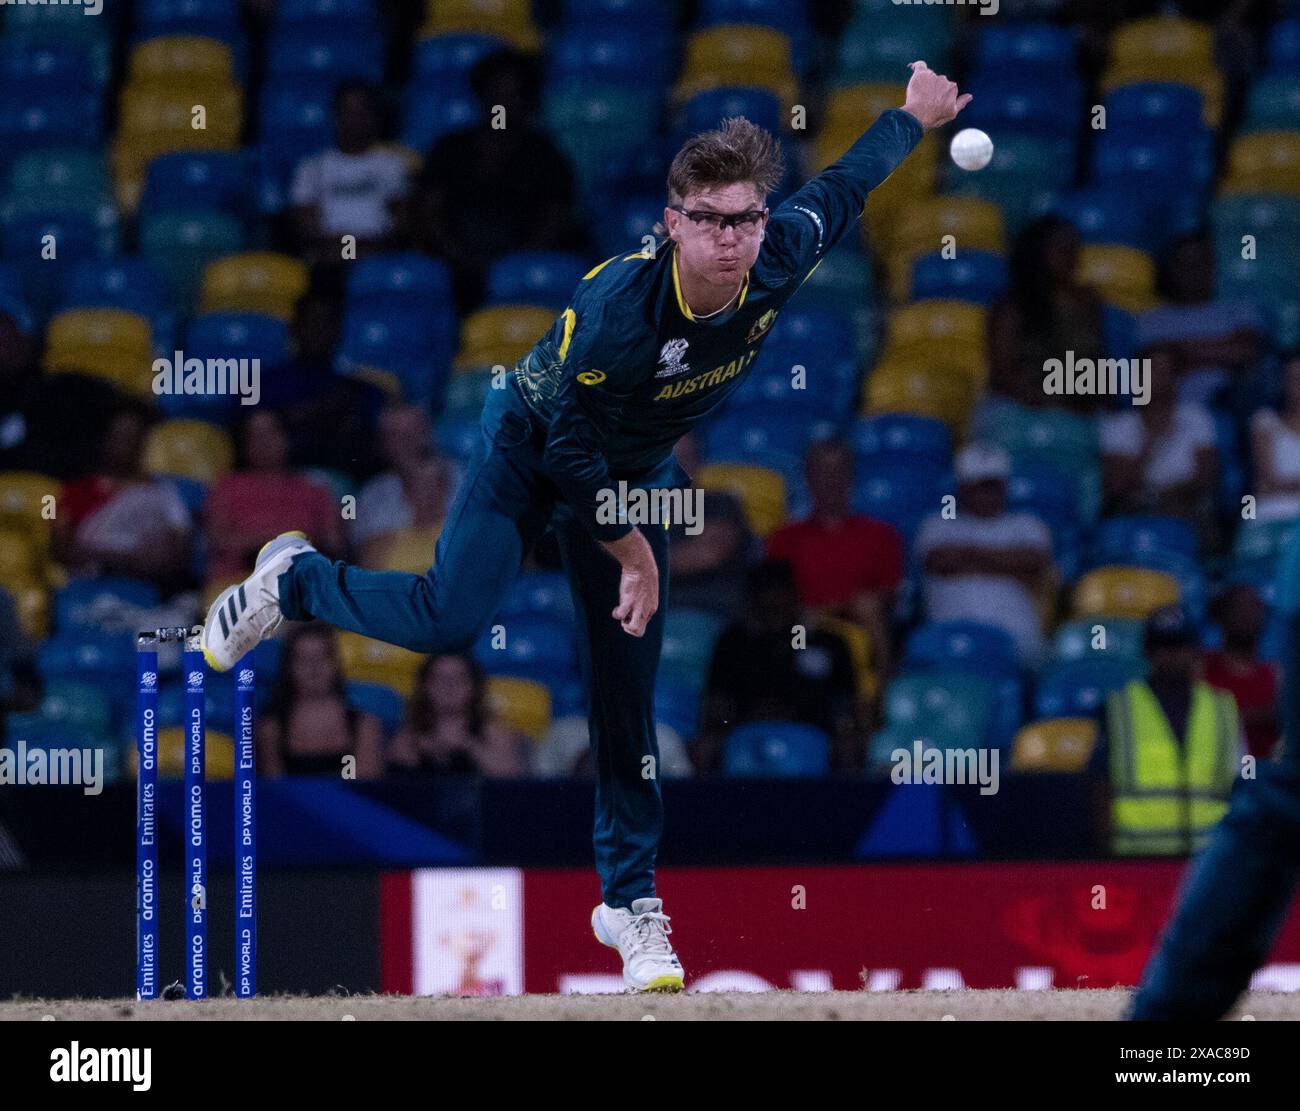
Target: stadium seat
x,y
898,434
254,282
372,661
678,707
1026,47
383,702
326,54
609,57
188,59
951,708
88,656
761,491
974,224
938,394
962,645
1124,276
183,181
1265,162
295,121
444,60
429,112
689,639
32,601
181,245
79,705
106,343
409,345
510,20
1121,591
189,448
1284,45
125,282
1118,537
523,704
1099,638
976,276
1078,688
537,647
500,335
771,749
1054,745
738,54
1107,214
538,594
545,278
28,501
343,15
238,335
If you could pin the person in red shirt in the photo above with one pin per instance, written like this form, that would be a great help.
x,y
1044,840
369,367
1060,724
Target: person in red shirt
x,y
1237,668
845,564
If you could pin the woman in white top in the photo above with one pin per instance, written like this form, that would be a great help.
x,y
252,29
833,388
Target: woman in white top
x,y
1161,458
1275,448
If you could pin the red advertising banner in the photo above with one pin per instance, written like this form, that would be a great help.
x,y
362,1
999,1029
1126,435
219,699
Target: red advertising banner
x,y
876,927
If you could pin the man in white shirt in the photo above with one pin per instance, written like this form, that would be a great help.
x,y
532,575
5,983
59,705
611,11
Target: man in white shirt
x,y
985,564
352,189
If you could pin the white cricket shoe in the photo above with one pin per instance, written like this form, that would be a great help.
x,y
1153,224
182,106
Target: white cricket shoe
x,y
641,937
249,612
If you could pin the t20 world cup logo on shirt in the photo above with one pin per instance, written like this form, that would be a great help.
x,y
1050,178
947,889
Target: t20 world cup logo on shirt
x,y
672,354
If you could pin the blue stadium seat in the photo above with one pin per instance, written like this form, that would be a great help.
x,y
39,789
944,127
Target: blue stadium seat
x,y
953,708
431,111
238,335
608,57
901,491
78,238
385,703
678,706
1164,107
102,603
446,60
296,120
546,278
652,16
1024,48
1107,215
821,339
1047,106
88,656
1273,104
774,749
61,65
627,220
962,645
1108,638
180,245
1120,539
764,429
323,54
406,278
1284,45
197,179
344,15
407,342
689,639
978,276
211,18
123,282
1078,688
900,434
706,110
538,594
539,648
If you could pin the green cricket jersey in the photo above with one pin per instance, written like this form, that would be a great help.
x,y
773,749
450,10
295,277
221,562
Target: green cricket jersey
x,y
626,370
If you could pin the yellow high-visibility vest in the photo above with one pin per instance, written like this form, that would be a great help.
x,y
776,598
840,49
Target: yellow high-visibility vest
x,y
1165,797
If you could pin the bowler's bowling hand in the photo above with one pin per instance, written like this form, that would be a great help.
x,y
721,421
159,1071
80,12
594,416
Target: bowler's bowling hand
x,y
638,586
932,98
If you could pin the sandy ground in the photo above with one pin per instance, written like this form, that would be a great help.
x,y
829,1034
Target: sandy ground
x,y
1033,1006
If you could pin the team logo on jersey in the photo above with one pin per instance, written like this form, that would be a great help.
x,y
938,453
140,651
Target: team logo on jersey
x,y
674,351
761,326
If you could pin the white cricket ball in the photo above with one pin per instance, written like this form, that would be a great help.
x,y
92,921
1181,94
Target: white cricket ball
x,y
971,149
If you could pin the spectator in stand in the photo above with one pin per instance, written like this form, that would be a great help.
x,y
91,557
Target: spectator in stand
x,y
119,520
308,728
1161,457
331,418
707,570
846,564
770,666
986,564
264,498
1045,314
1237,668
1217,342
405,445
427,490
450,728
489,190
1275,449
355,188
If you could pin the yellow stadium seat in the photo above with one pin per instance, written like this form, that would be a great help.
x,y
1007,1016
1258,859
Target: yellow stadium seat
x,y
911,184
32,600
924,392
1208,82
27,500
500,335
254,281
1054,745
858,642
850,110
107,343
1161,41
157,117
189,448
967,363
511,20
1124,276
522,704
920,229
1120,591
411,549
1265,162
949,335
738,54
761,492
372,661
218,754
182,59
21,555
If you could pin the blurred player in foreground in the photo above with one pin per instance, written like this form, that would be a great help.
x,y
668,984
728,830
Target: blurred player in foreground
x,y
1237,891
650,345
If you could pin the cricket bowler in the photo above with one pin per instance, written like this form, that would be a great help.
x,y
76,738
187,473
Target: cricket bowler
x,y
651,344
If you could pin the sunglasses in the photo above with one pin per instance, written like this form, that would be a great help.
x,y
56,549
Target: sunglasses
x,y
717,222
